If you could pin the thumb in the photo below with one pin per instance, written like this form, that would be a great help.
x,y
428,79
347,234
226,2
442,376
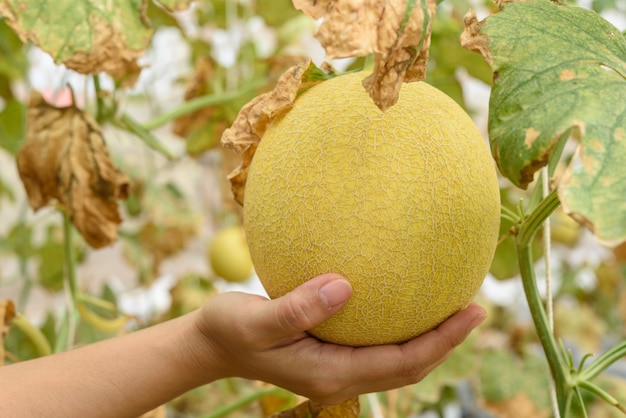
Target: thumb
x,y
305,307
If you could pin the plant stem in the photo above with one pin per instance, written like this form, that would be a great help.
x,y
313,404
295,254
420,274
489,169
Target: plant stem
x,y
27,283
23,261
601,394
545,190
533,222
34,335
99,101
581,401
128,123
605,360
558,366
546,251
540,319
69,255
70,275
200,102
510,214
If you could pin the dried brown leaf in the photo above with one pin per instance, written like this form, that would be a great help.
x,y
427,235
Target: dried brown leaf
x,y
272,403
163,240
519,406
312,8
398,37
278,64
253,119
158,412
7,313
472,38
65,158
229,162
620,253
198,85
309,409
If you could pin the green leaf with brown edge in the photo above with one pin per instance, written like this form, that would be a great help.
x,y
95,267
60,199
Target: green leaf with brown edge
x,y
560,68
87,36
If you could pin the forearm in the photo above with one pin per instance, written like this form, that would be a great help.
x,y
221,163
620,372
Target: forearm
x,y
121,377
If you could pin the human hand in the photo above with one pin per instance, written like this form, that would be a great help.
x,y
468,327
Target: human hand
x,y
251,337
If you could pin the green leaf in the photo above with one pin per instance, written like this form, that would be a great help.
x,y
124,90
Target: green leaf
x,y
447,56
561,68
201,140
175,5
51,265
276,12
601,5
18,343
19,240
214,12
503,375
12,55
88,36
12,126
159,17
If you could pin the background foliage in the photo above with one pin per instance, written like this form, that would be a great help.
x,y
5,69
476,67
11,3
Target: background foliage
x,y
162,91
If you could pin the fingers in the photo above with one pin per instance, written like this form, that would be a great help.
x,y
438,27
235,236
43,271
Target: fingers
x,y
265,340
424,353
391,366
305,307
450,333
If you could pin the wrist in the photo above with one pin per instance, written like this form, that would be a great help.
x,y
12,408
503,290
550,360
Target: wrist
x,y
199,353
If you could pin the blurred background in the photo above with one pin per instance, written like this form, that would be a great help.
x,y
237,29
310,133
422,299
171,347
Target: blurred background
x,y
180,240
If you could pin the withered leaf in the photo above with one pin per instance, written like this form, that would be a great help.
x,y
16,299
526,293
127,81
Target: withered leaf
x,y
396,31
229,162
519,406
309,409
253,118
162,240
472,38
65,158
197,85
158,412
7,313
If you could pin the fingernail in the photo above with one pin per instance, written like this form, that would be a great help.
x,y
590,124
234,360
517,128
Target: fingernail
x,y
335,292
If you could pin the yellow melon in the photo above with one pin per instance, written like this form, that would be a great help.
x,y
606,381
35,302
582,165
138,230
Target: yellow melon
x,y
228,254
405,204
